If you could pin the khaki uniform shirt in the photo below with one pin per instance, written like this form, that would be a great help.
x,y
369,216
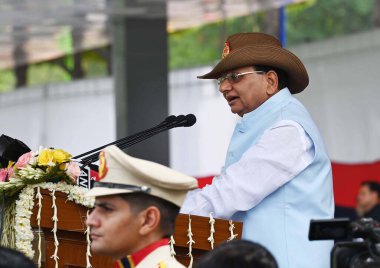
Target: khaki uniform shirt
x,y
156,255
160,258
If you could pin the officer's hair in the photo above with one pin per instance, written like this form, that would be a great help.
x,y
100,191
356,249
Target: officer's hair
x,y
168,211
282,77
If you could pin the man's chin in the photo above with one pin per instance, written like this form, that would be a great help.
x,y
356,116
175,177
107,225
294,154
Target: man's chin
x,y
99,249
233,110
236,111
105,251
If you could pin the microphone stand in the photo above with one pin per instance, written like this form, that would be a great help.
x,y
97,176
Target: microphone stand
x,y
179,121
169,119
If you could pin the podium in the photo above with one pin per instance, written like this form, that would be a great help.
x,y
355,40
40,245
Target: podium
x,y
72,240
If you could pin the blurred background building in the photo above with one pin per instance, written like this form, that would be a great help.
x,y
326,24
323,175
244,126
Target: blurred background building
x,y
78,74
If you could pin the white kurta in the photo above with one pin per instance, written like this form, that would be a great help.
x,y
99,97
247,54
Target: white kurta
x,y
261,170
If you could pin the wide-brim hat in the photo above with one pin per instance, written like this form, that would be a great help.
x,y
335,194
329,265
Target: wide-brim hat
x,y
248,49
120,173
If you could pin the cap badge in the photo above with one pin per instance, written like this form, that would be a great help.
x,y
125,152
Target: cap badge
x,y
102,165
226,49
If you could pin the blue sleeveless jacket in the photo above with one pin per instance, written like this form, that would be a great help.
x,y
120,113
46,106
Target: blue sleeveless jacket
x,y
281,220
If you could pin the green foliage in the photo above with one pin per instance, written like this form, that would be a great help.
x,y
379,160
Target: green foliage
x,y
93,64
193,47
204,45
43,73
308,21
7,80
55,175
65,40
328,18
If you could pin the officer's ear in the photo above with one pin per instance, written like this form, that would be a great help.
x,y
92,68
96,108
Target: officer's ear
x,y
150,220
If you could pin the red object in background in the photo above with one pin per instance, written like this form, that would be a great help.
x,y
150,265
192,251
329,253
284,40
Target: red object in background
x,y
347,179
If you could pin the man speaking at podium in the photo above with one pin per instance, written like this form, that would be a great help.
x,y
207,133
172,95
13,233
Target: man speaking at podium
x,y
137,202
277,174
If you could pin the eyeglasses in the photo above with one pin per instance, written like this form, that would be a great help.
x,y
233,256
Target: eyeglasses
x,y
235,77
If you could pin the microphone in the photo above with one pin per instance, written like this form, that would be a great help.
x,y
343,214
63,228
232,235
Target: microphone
x,y
151,132
182,121
170,119
88,170
190,120
170,122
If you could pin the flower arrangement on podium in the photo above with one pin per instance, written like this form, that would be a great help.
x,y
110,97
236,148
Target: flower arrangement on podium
x,y
44,165
21,183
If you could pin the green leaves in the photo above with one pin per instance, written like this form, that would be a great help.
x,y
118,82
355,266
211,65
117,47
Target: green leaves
x,y
309,21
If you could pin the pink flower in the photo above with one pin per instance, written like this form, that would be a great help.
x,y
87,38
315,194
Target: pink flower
x,y
73,171
6,173
24,160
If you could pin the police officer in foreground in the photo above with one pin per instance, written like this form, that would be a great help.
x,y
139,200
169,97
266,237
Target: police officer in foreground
x,y
137,202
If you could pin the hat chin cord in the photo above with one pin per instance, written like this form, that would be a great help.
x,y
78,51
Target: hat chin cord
x,y
133,188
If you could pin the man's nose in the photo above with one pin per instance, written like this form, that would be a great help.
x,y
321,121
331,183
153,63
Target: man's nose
x,y
225,86
92,220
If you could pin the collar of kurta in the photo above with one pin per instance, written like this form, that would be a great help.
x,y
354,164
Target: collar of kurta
x,y
134,259
249,119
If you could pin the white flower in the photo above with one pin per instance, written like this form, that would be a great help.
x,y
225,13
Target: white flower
x,y
23,230
24,205
29,172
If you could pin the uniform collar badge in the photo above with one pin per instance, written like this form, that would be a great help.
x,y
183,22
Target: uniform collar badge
x,y
102,165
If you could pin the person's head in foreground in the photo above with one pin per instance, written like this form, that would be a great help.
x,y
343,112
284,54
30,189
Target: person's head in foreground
x,y
238,254
254,67
368,197
10,258
136,203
